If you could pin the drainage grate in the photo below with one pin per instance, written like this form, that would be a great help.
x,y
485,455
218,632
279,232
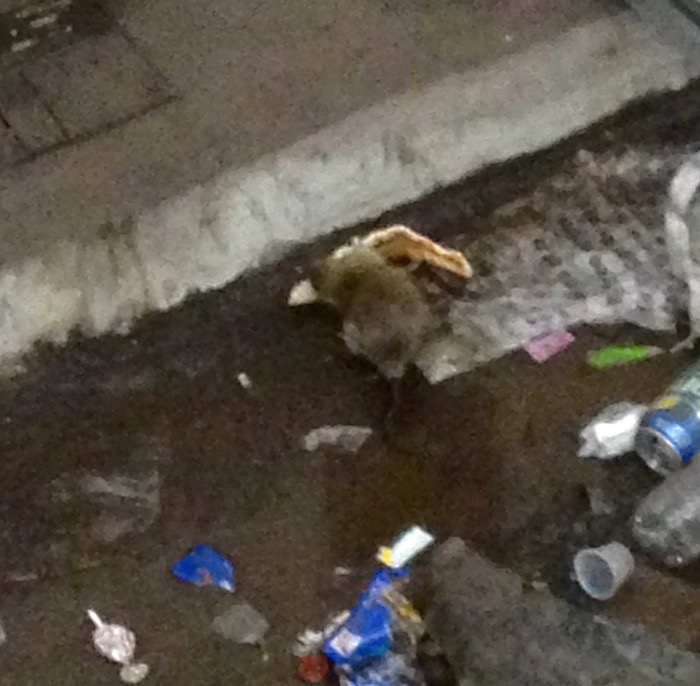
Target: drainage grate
x,y
72,94
29,29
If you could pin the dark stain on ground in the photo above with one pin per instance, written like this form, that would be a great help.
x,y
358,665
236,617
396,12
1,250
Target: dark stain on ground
x,y
489,456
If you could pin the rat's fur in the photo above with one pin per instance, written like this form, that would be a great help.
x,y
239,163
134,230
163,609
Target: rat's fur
x,y
386,315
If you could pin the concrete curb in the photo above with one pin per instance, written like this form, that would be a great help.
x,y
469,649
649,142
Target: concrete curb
x,y
377,158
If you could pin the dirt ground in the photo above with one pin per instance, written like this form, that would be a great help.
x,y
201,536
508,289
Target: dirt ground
x,y
489,456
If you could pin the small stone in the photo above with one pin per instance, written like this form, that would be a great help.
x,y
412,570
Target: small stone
x,y
134,673
243,624
244,380
600,505
109,528
347,438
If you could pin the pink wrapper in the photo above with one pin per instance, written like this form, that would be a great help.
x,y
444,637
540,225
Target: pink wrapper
x,y
542,348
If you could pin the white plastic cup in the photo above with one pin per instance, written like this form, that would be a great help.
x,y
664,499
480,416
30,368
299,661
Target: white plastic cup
x,y
600,572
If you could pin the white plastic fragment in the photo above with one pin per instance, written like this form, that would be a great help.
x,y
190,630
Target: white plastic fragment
x,y
602,571
612,432
348,438
244,380
408,545
311,641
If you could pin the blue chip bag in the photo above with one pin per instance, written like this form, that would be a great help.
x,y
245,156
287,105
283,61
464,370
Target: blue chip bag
x,y
367,632
205,566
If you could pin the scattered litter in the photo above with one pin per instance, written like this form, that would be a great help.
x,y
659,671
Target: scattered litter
x,y
205,566
245,381
342,571
602,571
408,545
376,642
311,641
242,624
600,505
618,355
313,668
129,502
612,432
117,644
369,630
669,437
667,521
391,669
544,347
348,438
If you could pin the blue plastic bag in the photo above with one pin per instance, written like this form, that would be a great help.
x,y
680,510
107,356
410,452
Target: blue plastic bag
x,y
389,670
205,566
366,633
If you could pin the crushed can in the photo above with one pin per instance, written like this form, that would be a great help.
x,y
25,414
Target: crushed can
x,y
669,435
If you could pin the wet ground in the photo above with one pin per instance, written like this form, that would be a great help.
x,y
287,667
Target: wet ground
x,y
489,456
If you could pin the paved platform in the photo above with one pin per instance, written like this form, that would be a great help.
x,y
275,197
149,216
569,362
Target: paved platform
x,y
190,141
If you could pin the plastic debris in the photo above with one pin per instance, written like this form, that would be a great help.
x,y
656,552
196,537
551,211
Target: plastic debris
x,y
617,355
311,641
392,669
407,545
117,644
242,624
205,566
376,642
244,380
602,571
367,632
544,347
128,504
612,432
348,438
313,668
381,616
667,521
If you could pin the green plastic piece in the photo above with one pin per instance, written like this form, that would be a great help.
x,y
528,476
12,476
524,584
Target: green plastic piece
x,y
617,355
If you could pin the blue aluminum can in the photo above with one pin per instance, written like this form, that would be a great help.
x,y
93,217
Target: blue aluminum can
x,y
669,436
